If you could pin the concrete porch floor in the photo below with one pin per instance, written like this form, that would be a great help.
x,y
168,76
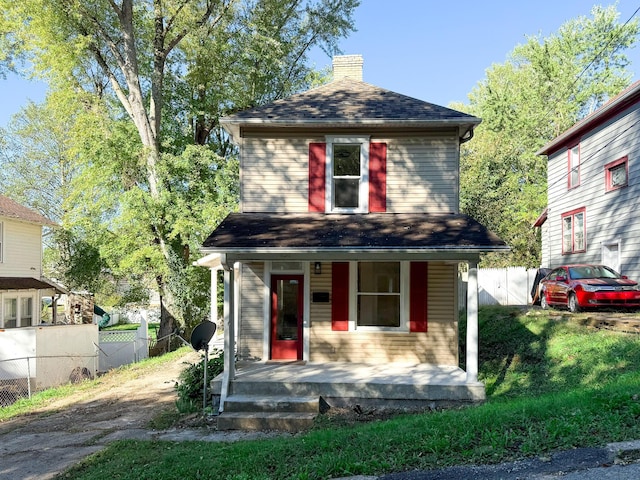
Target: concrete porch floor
x,y
346,384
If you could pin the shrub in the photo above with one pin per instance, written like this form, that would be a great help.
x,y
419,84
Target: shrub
x,y
190,384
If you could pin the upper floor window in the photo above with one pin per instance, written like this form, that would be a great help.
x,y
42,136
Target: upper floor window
x,y
574,231
616,174
1,242
574,166
347,173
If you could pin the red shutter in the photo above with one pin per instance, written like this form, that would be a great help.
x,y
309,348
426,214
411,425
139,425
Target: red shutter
x,y
418,297
340,296
317,175
377,177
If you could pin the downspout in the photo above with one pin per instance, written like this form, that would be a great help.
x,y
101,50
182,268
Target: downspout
x,y
229,333
468,135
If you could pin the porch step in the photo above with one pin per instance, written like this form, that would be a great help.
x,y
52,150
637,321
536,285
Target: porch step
x,y
254,412
287,422
270,403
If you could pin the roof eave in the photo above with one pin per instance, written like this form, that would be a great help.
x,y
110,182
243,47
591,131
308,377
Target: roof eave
x,y
233,126
623,101
454,253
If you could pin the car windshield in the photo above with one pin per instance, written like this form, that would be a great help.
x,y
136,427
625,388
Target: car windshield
x,y
592,271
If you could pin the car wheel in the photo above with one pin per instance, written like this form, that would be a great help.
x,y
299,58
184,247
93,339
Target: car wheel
x,y
543,300
573,304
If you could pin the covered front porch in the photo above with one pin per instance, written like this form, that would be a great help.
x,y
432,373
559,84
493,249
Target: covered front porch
x,y
289,395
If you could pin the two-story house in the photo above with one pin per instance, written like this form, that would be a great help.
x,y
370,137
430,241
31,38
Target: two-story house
x,y
343,259
22,285
592,191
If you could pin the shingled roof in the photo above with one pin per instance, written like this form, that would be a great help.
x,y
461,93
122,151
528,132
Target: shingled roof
x,y
12,209
384,232
348,103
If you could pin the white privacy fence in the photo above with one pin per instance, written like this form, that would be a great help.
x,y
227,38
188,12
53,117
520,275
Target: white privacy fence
x,y
122,347
501,286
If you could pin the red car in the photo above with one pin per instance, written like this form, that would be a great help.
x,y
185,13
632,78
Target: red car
x,y
587,286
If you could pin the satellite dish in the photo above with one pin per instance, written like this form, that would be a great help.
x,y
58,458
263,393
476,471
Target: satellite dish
x,y
200,341
202,334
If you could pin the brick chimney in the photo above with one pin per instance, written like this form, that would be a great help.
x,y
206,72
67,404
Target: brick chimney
x,y
347,66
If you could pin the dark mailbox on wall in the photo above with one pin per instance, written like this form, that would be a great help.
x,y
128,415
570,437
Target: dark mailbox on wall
x,y
320,297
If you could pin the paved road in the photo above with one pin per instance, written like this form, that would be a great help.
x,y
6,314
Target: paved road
x,y
616,461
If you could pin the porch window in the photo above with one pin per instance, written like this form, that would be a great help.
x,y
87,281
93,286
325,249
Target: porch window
x,y
10,312
574,231
574,166
378,294
616,174
26,311
347,172
17,311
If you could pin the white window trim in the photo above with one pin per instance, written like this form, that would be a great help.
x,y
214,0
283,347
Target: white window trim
x,y
404,301
19,296
364,173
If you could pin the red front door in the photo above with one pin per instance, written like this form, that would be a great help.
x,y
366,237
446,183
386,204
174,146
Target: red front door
x,y
286,317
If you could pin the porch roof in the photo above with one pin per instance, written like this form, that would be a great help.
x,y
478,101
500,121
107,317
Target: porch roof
x,y
28,283
332,236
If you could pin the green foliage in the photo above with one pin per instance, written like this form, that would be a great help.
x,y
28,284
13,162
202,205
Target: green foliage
x,y
137,90
190,386
544,87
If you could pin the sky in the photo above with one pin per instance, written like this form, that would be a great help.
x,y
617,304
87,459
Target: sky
x,y
433,50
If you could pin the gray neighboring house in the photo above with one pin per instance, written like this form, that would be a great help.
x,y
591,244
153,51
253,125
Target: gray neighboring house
x,y
341,267
593,191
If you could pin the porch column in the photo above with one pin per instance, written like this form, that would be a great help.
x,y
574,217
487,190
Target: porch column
x,y
213,312
229,334
472,323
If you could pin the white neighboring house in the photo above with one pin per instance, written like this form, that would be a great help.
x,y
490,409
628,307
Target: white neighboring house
x,y
22,286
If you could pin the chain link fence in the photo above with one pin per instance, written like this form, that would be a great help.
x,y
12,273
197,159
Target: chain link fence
x,y
23,377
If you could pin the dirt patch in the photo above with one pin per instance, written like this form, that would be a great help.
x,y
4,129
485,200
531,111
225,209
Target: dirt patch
x,y
47,442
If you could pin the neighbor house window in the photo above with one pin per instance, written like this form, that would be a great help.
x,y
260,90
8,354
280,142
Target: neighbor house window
x,y
574,232
17,311
574,166
616,174
347,173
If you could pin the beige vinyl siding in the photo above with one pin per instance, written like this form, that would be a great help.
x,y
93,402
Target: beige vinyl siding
x,y
438,346
21,249
422,174
609,216
275,175
251,330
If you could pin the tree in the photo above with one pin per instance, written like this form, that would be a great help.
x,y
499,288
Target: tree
x,y
545,86
165,70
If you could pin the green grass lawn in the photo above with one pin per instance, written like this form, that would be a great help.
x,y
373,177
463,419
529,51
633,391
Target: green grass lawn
x,y
551,383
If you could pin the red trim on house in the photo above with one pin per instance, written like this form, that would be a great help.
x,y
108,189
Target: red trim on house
x,y
572,214
340,296
609,187
378,177
317,176
418,296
